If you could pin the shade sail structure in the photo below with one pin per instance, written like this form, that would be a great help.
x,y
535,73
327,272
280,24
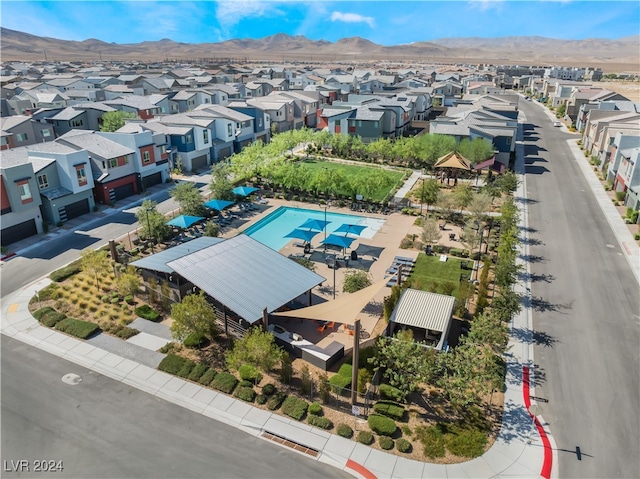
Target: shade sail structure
x,y
490,164
336,240
314,224
350,229
344,310
244,190
306,235
184,221
369,250
218,204
453,160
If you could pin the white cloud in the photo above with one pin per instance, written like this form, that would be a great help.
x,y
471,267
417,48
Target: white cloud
x,y
485,5
230,13
352,18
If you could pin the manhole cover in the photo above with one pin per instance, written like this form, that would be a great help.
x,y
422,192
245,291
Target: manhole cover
x,y
610,245
72,379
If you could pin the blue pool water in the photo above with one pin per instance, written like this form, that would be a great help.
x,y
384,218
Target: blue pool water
x,y
271,229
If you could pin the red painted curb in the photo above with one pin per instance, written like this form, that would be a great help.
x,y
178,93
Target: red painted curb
x,y
10,255
360,469
548,453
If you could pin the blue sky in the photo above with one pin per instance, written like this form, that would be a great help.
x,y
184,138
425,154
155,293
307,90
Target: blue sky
x,y
383,22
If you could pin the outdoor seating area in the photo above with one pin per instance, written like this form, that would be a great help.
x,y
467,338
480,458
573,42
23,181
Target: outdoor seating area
x,y
369,208
402,266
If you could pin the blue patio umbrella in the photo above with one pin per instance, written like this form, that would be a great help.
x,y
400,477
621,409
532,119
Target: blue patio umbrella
x,y
306,235
336,240
314,224
184,221
218,204
244,190
347,229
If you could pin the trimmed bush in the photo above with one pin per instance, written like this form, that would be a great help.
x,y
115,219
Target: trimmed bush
x,y
382,425
295,407
207,377
38,314
61,274
315,409
389,392
197,372
268,389
245,384
319,421
245,393
346,370
225,382
76,327
389,409
365,437
250,373
261,399
194,340
403,445
172,363
275,401
51,319
50,292
345,430
339,384
186,369
385,442
147,312
466,442
125,332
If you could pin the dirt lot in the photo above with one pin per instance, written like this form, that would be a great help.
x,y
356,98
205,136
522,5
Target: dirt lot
x,y
629,89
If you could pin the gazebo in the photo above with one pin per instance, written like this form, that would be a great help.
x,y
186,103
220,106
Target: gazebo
x,y
454,162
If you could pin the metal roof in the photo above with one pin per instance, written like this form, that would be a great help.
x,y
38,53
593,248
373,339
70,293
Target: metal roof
x,y
246,276
97,145
158,261
424,310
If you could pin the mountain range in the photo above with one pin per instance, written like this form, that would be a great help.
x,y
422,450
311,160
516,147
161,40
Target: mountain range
x,y
611,55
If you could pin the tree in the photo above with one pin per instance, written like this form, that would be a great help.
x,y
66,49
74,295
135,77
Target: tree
x,y
128,283
463,194
508,182
257,348
355,280
114,120
429,193
94,262
189,198
430,232
562,109
193,315
479,206
153,224
470,237
211,229
446,203
221,186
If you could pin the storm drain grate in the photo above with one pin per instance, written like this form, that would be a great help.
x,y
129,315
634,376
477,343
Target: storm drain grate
x,y
292,444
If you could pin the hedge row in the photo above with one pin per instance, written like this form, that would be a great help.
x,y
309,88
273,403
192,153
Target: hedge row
x,y
147,312
245,393
76,327
225,382
390,409
389,392
319,421
61,274
295,407
340,384
275,401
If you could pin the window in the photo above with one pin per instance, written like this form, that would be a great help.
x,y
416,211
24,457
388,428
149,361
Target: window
x,y
163,149
113,162
46,133
189,139
22,137
25,192
82,176
260,122
75,123
205,136
43,182
146,157
229,129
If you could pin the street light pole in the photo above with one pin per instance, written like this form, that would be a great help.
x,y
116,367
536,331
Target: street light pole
x,y
334,276
422,193
481,232
325,227
149,228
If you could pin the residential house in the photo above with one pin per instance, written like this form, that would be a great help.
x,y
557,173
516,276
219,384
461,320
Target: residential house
x,y
261,120
279,109
601,127
306,104
85,116
581,96
445,92
138,105
243,128
193,139
20,130
623,170
585,108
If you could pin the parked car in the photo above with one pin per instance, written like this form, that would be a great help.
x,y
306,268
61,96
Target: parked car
x,y
557,123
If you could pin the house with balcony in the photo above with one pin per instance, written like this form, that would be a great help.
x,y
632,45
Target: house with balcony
x,y
583,111
243,129
601,127
192,139
280,111
261,120
112,165
20,130
19,199
582,96
623,170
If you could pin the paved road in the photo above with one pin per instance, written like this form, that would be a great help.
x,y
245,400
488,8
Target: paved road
x,y
587,328
103,428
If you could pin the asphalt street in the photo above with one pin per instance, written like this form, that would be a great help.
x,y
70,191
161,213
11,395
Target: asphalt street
x,y
101,428
585,313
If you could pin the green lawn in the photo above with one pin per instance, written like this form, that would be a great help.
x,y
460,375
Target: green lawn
x,y
430,269
389,178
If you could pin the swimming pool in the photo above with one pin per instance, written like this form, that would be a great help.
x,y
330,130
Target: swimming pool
x,y
271,229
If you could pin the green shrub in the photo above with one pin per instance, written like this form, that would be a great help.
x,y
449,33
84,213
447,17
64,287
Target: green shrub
x,y
268,389
382,425
172,363
275,401
125,332
51,319
186,369
346,370
319,421
115,300
406,430
315,409
636,236
38,314
147,312
61,274
207,377
295,407
225,382
389,409
620,195
365,437
50,292
403,445
261,399
197,372
340,384
106,299
345,430
115,295
466,442
128,299
389,392
194,341
385,442
250,373
634,216
76,327
245,393
245,384
432,440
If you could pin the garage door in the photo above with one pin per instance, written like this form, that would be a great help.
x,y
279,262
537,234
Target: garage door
x,y
121,192
199,162
151,180
224,153
18,232
74,210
